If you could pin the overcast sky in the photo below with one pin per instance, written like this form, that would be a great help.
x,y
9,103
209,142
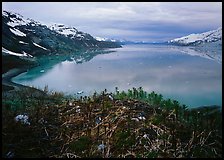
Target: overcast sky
x,y
146,21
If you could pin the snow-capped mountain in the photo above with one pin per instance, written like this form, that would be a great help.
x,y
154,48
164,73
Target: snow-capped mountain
x,y
106,39
62,29
101,39
23,35
15,19
207,44
196,39
72,32
24,39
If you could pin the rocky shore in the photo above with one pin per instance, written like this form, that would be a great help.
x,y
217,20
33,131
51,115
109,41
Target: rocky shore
x,y
6,77
10,89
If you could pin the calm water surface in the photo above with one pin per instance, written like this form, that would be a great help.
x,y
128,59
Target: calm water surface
x,y
172,71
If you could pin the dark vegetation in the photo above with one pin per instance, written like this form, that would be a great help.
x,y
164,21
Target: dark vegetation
x,y
10,62
7,88
128,124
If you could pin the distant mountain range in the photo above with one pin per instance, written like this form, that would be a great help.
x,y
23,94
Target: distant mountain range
x,y
214,36
199,39
27,37
122,41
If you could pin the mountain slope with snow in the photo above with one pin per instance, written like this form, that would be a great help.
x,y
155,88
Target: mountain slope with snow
x,y
207,44
196,39
26,35
24,39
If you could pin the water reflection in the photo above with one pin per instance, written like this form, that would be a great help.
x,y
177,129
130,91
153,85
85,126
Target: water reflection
x,y
192,80
48,62
209,53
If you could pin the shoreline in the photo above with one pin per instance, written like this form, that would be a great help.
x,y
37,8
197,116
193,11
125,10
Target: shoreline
x,y
7,81
12,73
7,77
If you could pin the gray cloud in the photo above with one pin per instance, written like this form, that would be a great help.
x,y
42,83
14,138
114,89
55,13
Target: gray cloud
x,y
152,21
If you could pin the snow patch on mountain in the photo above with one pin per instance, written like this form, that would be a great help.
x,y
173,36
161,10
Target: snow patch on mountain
x,y
106,39
39,46
100,39
10,52
23,42
24,54
62,29
68,31
80,35
17,21
17,32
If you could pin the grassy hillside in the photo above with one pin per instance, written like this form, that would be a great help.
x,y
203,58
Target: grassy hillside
x,y
122,124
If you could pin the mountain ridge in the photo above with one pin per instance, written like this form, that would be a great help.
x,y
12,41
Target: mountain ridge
x,y
199,38
27,35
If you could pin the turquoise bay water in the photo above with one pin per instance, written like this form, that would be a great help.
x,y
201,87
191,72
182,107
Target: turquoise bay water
x,y
175,72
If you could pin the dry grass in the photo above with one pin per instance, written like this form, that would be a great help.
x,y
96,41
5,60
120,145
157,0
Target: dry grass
x,y
76,128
